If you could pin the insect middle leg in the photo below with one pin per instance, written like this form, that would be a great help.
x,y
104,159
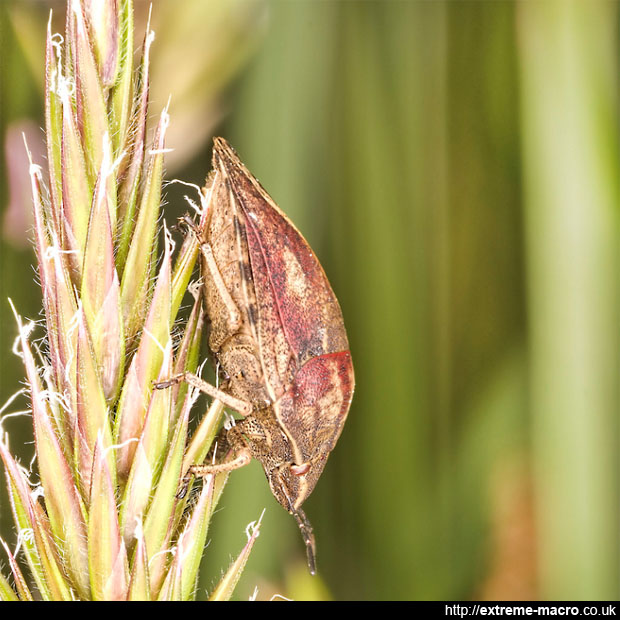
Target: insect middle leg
x,y
241,406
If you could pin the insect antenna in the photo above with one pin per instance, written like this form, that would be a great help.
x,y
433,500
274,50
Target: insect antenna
x,y
308,536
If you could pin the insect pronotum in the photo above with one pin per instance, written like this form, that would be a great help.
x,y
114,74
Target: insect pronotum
x,y
277,335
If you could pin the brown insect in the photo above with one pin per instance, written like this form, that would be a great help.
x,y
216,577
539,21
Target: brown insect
x,y
277,335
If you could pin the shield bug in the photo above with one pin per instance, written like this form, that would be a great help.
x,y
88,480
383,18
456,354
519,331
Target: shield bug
x,y
277,335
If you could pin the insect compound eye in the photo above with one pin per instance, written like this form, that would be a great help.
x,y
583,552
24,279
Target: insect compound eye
x,y
300,470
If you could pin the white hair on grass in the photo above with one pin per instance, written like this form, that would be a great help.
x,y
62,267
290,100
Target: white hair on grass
x,y
15,414
108,165
23,535
37,489
51,396
274,597
170,551
252,529
8,551
201,367
229,418
53,251
217,373
138,530
193,394
213,458
195,288
280,597
117,446
59,83
150,37
201,197
165,122
54,397
8,402
181,550
169,240
74,324
160,151
23,331
154,338
34,170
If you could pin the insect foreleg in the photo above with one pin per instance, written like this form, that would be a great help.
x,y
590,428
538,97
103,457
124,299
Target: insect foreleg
x,y
234,316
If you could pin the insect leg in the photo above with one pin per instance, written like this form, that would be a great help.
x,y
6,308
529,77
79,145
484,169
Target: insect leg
x,y
234,316
241,460
242,457
233,441
241,406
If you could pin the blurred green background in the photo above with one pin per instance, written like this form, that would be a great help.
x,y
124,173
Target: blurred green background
x,y
456,167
